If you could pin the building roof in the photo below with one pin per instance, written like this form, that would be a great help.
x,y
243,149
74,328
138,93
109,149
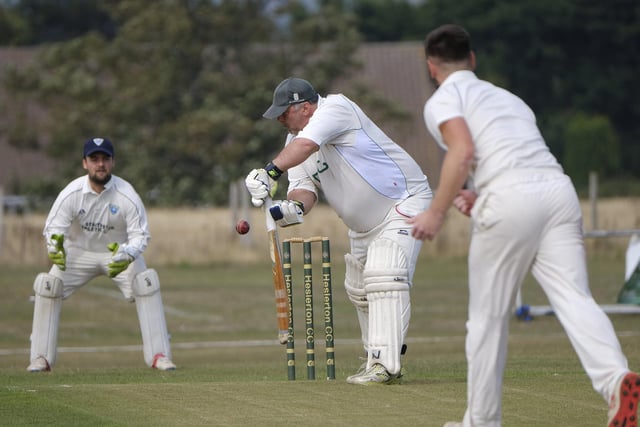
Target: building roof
x,y
399,72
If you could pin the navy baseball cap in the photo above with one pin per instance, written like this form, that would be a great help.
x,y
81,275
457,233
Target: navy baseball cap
x,y
98,145
288,92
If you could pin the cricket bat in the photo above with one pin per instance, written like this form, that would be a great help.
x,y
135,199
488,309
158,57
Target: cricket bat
x,y
282,302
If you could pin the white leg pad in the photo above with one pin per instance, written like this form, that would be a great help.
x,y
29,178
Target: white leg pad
x,y
46,317
354,285
155,338
387,288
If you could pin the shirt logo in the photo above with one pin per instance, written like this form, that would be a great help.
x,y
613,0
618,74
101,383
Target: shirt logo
x,y
113,209
81,212
320,167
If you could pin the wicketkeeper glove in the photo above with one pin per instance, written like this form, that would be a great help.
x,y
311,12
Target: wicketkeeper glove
x,y
261,183
119,261
56,252
287,212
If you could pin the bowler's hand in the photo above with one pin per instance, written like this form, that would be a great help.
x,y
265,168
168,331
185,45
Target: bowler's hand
x,y
119,261
56,252
464,201
426,224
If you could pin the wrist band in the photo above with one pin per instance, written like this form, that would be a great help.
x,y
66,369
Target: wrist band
x,y
273,171
299,204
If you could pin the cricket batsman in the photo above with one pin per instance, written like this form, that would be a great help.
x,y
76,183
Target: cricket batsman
x,y
374,186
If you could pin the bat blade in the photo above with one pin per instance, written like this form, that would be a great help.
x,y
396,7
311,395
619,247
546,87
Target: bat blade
x,y
282,301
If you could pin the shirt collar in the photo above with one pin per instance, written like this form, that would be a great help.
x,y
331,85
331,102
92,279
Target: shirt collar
x,y
459,75
86,187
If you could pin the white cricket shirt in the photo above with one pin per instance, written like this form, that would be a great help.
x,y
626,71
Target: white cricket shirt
x,y
361,171
91,220
502,126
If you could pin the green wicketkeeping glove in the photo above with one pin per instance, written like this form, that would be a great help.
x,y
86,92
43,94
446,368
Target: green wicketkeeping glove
x,y
120,260
56,252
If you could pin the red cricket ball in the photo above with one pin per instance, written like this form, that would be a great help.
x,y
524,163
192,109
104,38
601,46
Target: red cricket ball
x,y
242,227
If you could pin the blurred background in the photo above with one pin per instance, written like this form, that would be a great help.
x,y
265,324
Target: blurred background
x,y
179,86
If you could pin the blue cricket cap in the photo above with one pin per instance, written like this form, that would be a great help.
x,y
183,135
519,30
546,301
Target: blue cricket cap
x,y
98,145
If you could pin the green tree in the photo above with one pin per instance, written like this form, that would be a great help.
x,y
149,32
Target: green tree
x,y
560,56
31,22
591,145
181,88
14,29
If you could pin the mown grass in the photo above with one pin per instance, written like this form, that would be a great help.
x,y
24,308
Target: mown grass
x,y
231,371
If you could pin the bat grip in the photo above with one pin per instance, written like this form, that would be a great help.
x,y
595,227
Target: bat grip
x,y
270,222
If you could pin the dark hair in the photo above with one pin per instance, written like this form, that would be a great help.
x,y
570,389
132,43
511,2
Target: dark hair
x,y
450,43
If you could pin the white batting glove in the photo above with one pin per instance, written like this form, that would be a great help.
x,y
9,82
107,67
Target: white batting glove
x,y
260,185
287,212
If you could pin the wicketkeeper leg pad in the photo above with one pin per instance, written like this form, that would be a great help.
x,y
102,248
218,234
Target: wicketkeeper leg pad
x,y
354,285
155,338
46,317
387,287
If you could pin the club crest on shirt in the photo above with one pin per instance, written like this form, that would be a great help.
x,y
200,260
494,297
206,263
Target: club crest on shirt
x,y
113,209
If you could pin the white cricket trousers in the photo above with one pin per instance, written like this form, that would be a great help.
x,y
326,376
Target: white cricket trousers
x,y
530,219
82,266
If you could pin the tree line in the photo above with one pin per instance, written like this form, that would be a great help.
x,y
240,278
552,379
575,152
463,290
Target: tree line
x,y
181,84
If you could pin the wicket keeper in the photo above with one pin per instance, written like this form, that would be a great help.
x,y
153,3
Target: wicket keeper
x,y
98,226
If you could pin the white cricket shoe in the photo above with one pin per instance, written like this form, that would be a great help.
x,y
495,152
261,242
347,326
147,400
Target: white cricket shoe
x,y
359,372
39,364
623,407
376,374
452,424
163,363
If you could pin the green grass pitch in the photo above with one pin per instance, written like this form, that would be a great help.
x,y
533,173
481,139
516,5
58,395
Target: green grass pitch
x,y
232,372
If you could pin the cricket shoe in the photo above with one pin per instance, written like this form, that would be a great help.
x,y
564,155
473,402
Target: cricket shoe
x,y
452,424
39,364
163,363
376,374
359,372
623,408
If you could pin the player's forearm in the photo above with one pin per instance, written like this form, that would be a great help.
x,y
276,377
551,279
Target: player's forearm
x,y
451,181
296,152
57,222
456,165
308,198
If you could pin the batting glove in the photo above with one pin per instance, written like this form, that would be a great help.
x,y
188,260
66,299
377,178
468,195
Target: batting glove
x,y
119,261
287,212
261,183
56,252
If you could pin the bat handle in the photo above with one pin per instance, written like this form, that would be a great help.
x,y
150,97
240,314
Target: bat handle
x,y
270,222
283,336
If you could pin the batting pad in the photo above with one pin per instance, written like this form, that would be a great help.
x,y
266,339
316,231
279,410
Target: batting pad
x,y
387,289
354,285
46,317
155,338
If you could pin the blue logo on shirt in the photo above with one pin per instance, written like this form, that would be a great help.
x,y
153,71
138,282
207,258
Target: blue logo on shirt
x,y
113,209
